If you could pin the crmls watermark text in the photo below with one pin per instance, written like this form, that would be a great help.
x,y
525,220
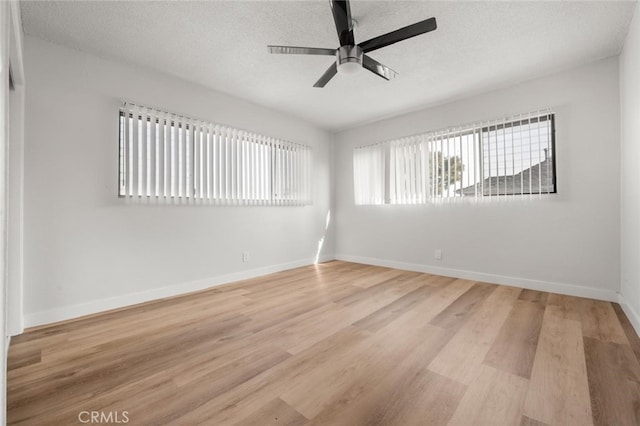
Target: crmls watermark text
x,y
103,417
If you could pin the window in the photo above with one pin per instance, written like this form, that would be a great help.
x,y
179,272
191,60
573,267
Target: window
x,y
513,156
168,157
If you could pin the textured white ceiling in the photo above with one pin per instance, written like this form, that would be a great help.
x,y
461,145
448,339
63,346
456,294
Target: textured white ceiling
x,y
478,46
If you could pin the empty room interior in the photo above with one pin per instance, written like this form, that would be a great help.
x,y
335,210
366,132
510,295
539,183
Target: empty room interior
x,y
320,212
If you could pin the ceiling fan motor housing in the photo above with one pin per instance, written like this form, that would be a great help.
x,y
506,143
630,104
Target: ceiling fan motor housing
x,y
349,59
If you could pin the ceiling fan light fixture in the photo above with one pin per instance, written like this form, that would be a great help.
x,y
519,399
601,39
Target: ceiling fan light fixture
x,y
349,68
349,59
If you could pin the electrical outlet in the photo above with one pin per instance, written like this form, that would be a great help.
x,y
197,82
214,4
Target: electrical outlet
x,y
438,254
245,256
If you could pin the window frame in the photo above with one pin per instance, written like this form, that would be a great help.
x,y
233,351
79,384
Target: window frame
x,y
480,136
291,186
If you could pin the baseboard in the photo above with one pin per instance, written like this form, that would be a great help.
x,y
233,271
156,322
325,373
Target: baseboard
x,y
95,306
14,329
631,313
3,382
551,287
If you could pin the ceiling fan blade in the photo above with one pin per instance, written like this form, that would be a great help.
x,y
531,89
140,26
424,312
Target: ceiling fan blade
x,y
399,35
328,75
295,50
377,68
342,18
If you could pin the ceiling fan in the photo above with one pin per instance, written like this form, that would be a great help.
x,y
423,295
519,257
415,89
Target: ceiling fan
x,y
351,57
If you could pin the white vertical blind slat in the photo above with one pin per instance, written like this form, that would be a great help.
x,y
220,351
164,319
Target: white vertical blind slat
x,y
263,170
549,168
238,169
360,175
135,153
309,175
245,169
285,172
530,153
151,155
456,139
220,164
201,160
434,166
513,161
270,157
294,174
130,147
280,171
160,155
173,158
393,174
496,164
181,160
121,157
459,151
290,170
251,174
209,153
479,164
225,175
195,131
441,173
539,145
232,166
190,146
142,152
503,168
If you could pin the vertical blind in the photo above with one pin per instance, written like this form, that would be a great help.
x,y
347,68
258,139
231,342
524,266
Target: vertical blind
x,y
408,171
370,167
511,156
517,156
169,157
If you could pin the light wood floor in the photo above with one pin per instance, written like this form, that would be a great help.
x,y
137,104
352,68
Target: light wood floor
x,y
337,344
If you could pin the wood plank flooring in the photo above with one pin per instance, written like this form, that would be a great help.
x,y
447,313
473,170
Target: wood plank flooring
x,y
336,344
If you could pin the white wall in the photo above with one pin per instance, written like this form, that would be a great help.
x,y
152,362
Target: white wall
x,y
85,249
15,209
630,171
10,142
15,178
4,142
566,242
